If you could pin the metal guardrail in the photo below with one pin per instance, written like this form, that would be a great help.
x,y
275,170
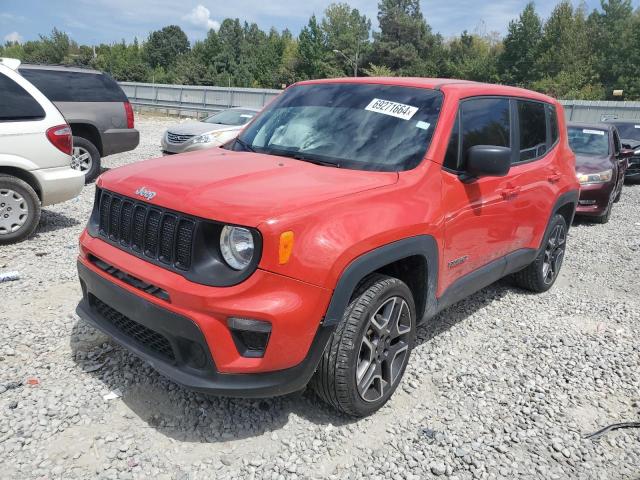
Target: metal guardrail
x,y
194,99
180,99
597,111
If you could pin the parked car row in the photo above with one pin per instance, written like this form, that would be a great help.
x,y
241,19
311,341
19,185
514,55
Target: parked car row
x,y
324,231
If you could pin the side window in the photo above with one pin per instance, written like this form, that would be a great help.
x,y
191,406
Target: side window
x,y
532,122
452,155
484,121
16,104
71,86
553,123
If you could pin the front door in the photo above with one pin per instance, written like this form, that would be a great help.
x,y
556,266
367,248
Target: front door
x,y
479,225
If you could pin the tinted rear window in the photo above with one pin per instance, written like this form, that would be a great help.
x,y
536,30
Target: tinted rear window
x,y
16,103
63,86
533,130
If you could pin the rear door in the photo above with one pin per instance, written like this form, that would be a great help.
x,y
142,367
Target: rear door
x,y
534,171
479,226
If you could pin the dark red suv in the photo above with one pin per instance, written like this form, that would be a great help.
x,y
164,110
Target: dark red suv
x,y
344,215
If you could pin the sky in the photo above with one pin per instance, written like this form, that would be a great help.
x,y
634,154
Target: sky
x,y
107,21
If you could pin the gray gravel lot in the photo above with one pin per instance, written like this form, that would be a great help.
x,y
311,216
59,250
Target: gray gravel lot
x,y
503,385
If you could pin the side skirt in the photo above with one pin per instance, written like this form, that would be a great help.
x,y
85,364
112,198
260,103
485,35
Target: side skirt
x,y
483,277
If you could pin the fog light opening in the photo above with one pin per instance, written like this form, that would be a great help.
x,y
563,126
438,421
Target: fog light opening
x,y
250,336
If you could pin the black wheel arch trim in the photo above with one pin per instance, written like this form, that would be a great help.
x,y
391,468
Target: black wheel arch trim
x,y
570,197
369,262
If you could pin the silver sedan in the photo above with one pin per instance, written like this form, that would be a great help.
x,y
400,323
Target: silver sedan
x,y
213,131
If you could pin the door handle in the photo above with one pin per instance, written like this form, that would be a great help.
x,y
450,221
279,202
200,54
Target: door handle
x,y
510,193
554,177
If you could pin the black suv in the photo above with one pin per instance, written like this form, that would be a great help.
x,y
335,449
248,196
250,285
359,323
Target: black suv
x,y
96,108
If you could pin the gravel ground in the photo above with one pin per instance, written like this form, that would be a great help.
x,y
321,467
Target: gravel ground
x,y
503,385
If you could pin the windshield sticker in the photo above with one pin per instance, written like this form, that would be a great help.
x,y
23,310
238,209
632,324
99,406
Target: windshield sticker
x,y
593,132
637,126
386,107
246,115
423,125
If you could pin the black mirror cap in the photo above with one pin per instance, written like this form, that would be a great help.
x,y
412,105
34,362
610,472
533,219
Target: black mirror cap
x,y
488,161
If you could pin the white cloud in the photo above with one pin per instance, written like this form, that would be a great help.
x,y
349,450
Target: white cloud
x,y
200,16
13,37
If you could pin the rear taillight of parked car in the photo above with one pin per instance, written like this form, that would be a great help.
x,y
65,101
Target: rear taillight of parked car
x,y
129,109
61,138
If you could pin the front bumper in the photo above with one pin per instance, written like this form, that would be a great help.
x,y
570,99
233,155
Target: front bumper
x,y
633,171
594,199
192,370
58,184
294,309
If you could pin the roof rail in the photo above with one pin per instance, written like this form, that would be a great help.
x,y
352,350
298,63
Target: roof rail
x,y
12,63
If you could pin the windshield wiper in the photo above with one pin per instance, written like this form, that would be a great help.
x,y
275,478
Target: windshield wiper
x,y
244,145
316,161
302,157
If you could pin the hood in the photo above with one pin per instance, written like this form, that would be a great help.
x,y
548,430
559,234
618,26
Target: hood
x,y
238,187
592,164
199,128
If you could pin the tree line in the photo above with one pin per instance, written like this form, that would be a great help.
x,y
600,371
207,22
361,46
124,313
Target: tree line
x,y
573,53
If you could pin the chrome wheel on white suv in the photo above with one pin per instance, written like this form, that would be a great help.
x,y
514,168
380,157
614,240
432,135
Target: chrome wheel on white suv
x,y
81,159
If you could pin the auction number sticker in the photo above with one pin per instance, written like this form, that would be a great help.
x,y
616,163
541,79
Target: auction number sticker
x,y
592,132
394,109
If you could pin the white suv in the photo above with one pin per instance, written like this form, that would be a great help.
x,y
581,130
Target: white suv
x,y
35,155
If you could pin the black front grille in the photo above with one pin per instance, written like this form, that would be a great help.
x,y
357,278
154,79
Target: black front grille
x,y
156,233
145,337
177,137
634,165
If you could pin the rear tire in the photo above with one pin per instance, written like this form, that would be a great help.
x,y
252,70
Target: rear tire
x,y
86,158
367,354
542,273
19,210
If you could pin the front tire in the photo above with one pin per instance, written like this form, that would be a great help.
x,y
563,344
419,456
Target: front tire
x,y
542,273
19,210
366,357
86,158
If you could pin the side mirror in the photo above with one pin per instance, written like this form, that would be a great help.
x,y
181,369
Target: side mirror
x,y
488,161
626,153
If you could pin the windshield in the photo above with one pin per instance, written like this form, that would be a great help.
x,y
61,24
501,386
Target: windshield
x,y
358,126
629,131
235,117
588,141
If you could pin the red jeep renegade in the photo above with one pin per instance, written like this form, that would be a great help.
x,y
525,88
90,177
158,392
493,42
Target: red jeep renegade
x,y
310,249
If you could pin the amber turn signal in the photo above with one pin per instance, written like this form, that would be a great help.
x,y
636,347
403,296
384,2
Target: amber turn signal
x,y
286,247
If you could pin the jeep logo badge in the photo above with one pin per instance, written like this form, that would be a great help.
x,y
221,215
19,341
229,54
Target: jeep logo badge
x,y
147,194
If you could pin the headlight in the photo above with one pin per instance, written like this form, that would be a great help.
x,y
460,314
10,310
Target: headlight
x,y
207,138
236,245
600,177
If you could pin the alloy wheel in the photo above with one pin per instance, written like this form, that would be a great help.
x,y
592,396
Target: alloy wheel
x,y
384,349
81,159
553,254
14,211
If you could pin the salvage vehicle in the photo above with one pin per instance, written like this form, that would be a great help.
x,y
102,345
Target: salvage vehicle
x,y
311,247
630,138
35,155
95,107
213,131
601,163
